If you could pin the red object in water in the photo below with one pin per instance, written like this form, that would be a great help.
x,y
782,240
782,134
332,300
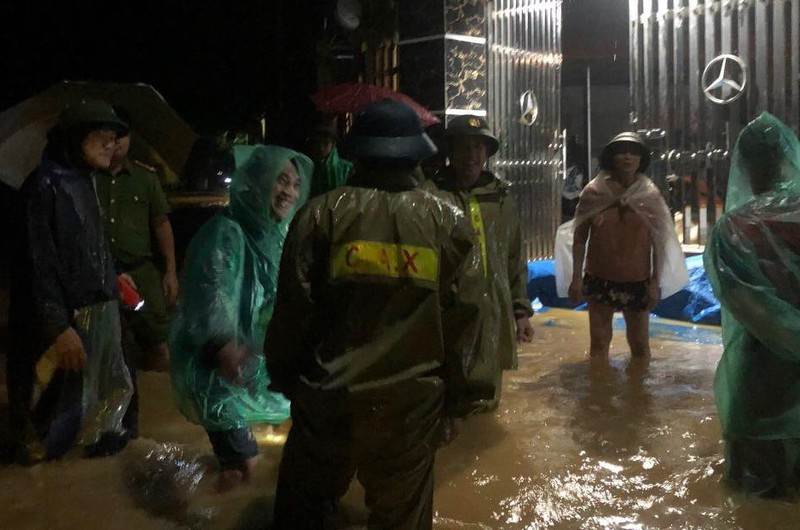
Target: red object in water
x,y
352,97
128,294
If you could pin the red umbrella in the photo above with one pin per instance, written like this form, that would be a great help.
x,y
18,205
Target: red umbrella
x,y
352,97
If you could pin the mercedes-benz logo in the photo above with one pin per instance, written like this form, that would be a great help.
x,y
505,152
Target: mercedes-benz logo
x,y
724,79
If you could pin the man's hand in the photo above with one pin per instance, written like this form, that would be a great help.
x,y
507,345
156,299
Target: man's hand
x,y
524,330
170,285
576,291
68,349
231,359
653,294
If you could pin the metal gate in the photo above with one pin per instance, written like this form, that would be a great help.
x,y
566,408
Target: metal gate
x,y
700,70
524,94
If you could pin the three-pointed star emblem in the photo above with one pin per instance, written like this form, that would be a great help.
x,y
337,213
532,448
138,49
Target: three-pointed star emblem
x,y
724,79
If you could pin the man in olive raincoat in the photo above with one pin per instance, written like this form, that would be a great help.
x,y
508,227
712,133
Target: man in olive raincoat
x,y
752,260
373,332
230,276
494,216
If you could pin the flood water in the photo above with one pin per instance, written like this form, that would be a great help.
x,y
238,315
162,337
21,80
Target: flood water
x,y
575,444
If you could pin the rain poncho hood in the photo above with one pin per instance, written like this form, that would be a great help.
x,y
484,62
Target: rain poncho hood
x,y
645,199
227,294
752,260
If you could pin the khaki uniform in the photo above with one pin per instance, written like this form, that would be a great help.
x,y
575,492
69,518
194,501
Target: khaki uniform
x,y
129,202
495,222
371,338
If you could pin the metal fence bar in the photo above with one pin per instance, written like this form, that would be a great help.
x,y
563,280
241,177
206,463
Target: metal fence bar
x,y
663,28
635,68
762,57
695,57
779,70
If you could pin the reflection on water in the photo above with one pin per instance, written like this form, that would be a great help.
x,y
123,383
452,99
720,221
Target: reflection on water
x,y
577,443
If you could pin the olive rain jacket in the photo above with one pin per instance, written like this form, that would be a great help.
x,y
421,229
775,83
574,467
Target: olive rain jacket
x,y
375,290
495,221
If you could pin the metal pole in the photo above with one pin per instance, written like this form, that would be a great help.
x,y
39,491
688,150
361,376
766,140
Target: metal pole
x,y
589,119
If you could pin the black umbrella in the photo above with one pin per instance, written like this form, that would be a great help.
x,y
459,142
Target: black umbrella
x,y
159,136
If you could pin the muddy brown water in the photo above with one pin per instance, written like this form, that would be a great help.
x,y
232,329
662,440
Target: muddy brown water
x,y
575,444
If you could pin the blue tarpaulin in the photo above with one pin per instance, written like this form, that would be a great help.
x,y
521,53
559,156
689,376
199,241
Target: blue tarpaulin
x,y
694,303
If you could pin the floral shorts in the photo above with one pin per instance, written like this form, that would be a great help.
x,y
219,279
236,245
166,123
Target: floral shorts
x,y
622,296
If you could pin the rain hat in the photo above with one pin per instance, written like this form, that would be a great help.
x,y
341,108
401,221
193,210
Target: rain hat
x,y
607,156
469,125
91,111
388,129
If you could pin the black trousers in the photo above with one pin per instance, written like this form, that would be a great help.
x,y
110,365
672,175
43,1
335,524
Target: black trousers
x,y
387,436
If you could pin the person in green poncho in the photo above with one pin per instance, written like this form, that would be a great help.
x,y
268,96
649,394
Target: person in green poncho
x,y
330,171
229,280
752,260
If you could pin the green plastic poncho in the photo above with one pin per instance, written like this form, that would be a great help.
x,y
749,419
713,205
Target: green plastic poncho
x,y
331,174
227,293
752,260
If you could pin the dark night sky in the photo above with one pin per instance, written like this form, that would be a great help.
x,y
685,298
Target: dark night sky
x,y
218,62
221,63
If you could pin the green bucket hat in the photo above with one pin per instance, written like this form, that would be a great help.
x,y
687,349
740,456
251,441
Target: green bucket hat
x,y
91,111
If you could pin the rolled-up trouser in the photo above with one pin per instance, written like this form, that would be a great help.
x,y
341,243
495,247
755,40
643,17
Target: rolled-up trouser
x,y
233,447
387,435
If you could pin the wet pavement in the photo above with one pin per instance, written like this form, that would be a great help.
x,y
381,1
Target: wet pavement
x,y
575,444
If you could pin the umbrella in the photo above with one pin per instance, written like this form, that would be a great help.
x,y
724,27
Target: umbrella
x,y
352,97
159,137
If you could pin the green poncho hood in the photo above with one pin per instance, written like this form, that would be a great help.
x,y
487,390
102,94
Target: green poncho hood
x,y
228,288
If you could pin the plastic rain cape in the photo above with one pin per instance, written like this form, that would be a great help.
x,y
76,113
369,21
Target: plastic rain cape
x,y
645,199
752,260
228,288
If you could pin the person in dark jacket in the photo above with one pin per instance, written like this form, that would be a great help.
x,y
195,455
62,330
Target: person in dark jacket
x,y
373,333
64,311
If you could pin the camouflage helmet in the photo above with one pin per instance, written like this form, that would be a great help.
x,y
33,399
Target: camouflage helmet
x,y
470,125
